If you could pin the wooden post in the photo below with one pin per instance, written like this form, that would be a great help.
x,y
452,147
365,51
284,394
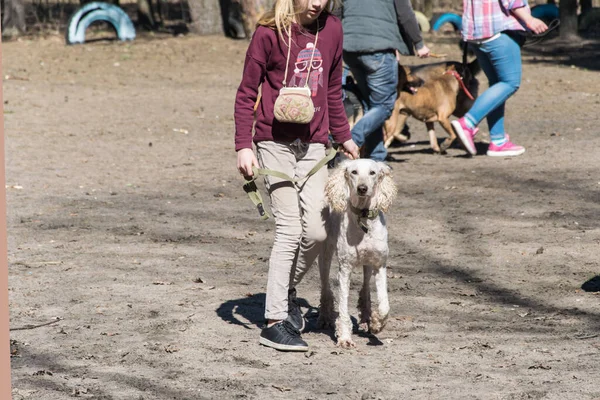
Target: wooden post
x,y
5,386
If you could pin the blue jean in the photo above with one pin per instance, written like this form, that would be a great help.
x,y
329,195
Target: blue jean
x,y
376,75
500,60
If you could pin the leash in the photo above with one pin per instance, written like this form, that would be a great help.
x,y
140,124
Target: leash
x,y
461,83
536,38
252,190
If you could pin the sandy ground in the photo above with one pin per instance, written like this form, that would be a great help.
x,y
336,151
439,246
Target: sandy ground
x,y
127,221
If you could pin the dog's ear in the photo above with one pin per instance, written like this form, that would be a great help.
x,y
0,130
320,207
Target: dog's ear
x,y
474,67
387,189
336,189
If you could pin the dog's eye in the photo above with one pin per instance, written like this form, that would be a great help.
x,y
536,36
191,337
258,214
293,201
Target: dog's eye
x,y
354,172
372,173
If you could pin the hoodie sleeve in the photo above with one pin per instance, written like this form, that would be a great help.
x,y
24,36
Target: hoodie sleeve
x,y
255,67
338,122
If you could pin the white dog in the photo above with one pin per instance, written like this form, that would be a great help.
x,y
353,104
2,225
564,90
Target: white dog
x,y
358,192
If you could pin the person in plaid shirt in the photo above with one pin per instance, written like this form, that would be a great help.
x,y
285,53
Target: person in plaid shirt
x,y
489,27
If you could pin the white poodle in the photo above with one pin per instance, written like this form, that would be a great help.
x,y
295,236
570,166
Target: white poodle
x,y
358,192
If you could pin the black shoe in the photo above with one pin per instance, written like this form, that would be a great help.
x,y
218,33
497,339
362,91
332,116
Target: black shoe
x,y
294,312
283,336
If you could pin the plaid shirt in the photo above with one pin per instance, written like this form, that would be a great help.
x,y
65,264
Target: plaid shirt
x,y
482,19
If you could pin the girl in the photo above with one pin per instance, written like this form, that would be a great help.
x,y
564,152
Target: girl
x,y
491,28
297,43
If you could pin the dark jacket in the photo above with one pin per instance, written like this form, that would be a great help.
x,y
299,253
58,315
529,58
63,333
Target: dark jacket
x,y
379,25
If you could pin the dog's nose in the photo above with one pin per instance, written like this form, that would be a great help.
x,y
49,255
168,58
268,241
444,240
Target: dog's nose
x,y
362,189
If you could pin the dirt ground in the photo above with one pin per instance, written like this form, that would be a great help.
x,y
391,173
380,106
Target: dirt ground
x,y
127,221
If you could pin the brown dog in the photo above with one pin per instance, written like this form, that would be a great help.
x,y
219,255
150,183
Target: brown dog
x,y
432,93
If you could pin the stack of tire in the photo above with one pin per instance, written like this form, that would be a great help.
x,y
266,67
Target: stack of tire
x,y
99,11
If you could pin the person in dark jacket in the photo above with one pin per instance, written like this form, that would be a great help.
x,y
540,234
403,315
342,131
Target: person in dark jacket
x,y
373,42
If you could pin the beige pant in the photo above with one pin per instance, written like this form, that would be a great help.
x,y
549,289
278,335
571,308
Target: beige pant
x,y
300,228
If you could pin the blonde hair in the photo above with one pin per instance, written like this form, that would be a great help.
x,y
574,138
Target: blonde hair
x,y
281,16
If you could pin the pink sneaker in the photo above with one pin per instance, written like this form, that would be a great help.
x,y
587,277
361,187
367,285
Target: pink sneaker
x,y
465,135
508,149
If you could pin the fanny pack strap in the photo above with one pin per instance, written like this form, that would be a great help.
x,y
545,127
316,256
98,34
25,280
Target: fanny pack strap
x,y
252,190
287,62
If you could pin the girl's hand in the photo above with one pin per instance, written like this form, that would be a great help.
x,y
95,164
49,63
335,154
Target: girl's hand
x,y
245,161
537,26
350,149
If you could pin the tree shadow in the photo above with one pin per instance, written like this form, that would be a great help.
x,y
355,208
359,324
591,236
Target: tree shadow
x,y
580,52
50,369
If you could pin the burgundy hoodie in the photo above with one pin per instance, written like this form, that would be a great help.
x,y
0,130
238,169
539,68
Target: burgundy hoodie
x,y
265,64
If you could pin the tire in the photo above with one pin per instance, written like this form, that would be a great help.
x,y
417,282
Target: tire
x,y
451,18
99,11
423,21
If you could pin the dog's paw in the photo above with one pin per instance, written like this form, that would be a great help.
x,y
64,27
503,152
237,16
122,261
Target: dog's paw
x,y
445,146
376,324
325,322
346,343
364,326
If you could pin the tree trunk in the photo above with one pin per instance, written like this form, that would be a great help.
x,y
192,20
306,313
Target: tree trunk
x,y
145,15
586,5
207,17
13,22
252,10
428,8
568,18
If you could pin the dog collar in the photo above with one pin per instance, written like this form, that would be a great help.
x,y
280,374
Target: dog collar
x,y
461,83
364,213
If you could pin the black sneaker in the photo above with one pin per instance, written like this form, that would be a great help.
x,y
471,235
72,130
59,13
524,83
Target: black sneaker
x,y
283,336
294,312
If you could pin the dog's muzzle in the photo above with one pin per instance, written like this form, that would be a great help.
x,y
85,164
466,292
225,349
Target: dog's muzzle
x,y
362,190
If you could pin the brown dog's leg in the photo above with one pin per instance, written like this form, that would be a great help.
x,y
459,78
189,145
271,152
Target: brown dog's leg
x,y
445,122
433,142
389,126
396,133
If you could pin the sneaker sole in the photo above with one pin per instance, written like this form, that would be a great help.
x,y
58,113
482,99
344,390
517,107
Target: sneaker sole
x,y
282,347
463,137
506,153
